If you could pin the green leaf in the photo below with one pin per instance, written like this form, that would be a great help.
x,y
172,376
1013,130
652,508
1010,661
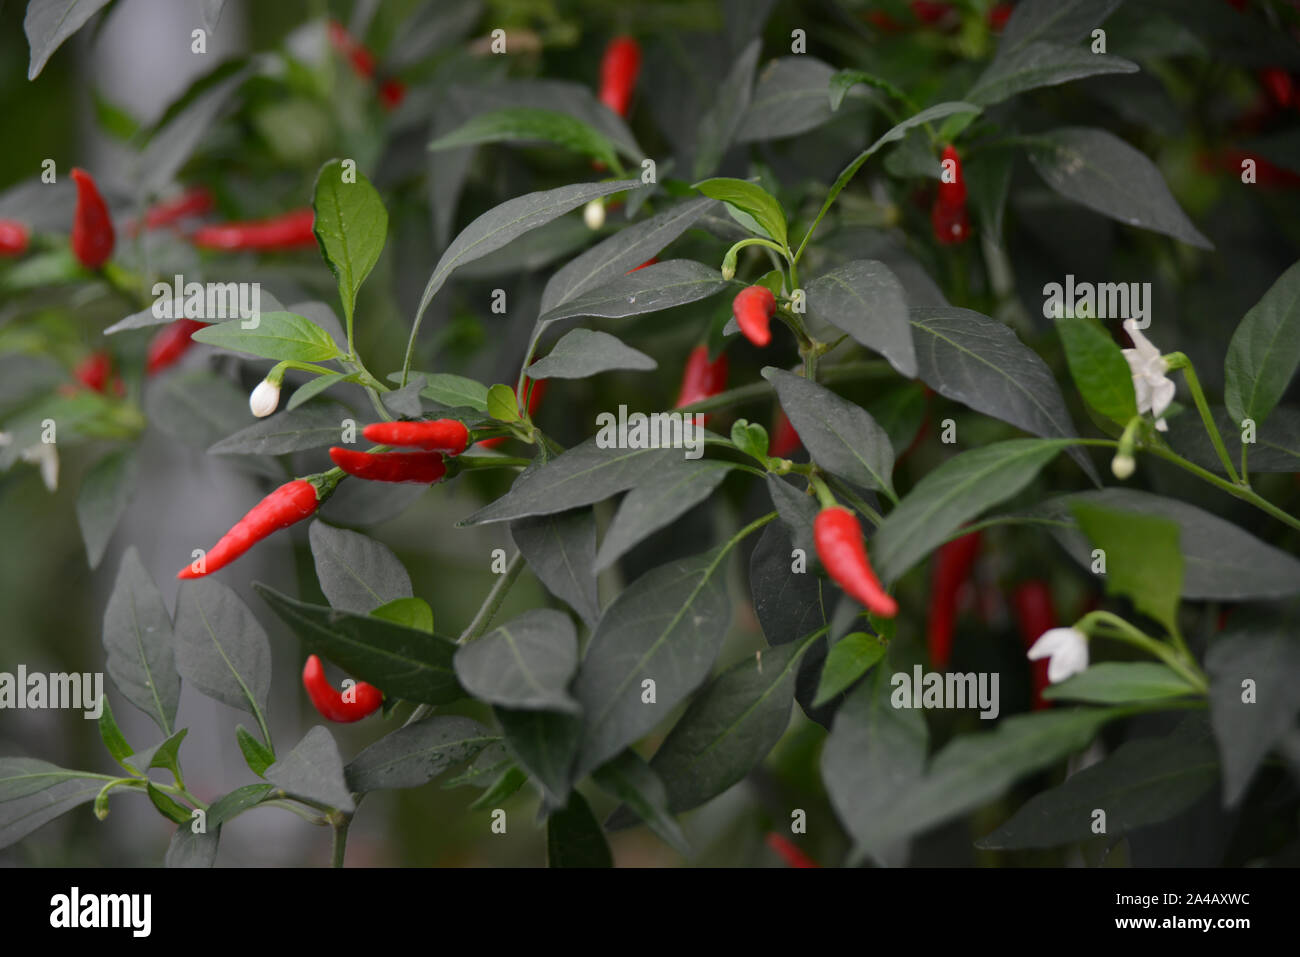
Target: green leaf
x,y
979,362
155,167
849,659
1144,782
229,806
1115,682
1264,351
789,99
292,430
532,125
655,505
314,770
525,664
351,225
874,755
167,807
111,734
316,386
138,643
1254,697
510,781
1143,560
1041,64
729,728
197,408
574,838
750,438
1099,170
356,573
949,496
717,128
583,352
1276,447
278,335
845,80
34,792
418,753
545,743
103,497
221,650
1099,368
501,403
654,288
49,22
841,437
632,781
752,199
408,612
452,391
667,626
165,754
257,756
1220,561
1058,21
403,662
560,548
188,849
866,300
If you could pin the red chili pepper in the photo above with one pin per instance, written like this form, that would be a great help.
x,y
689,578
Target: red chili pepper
x,y
423,468
928,12
438,435
702,378
170,343
951,224
999,14
883,21
618,72
785,440
1266,173
391,93
1278,84
953,562
954,193
754,307
92,227
649,262
193,202
362,60
359,701
838,537
789,851
1034,614
290,231
290,503
94,370
13,238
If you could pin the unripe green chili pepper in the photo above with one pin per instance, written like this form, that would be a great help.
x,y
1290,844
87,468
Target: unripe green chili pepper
x,y
358,701
92,228
838,537
423,468
288,504
438,435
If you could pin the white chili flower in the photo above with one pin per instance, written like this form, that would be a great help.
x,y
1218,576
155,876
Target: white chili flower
x,y
264,398
1154,389
593,214
1066,647
43,454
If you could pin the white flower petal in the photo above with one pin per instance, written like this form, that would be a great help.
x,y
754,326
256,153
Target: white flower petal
x,y
1066,647
264,398
1162,393
1145,348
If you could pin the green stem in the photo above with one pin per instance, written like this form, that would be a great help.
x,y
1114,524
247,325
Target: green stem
x,y
302,812
1121,630
495,597
856,501
491,462
339,845
1236,491
1178,360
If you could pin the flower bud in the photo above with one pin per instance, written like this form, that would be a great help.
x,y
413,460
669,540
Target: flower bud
x,y
1122,465
594,214
264,398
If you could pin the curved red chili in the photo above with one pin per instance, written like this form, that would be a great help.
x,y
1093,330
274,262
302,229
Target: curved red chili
x,y
953,562
358,701
92,228
290,231
13,238
1032,601
193,202
838,537
423,468
754,307
702,378
789,851
170,343
438,435
290,503
618,72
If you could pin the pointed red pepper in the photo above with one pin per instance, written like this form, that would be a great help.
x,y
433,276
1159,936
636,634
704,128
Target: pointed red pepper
x,y
843,553
423,468
702,378
292,230
170,343
358,701
618,72
437,435
1035,615
953,562
92,228
288,504
754,307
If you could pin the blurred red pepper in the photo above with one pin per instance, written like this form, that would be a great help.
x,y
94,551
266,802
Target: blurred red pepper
x,y
953,562
344,707
391,91
1035,615
1279,86
92,228
702,378
193,202
95,372
929,12
785,440
170,343
13,238
290,231
618,72
789,851
999,14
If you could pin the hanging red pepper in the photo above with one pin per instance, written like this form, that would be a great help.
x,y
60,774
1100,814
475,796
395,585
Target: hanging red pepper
x,y
358,701
789,851
702,378
193,202
290,231
1032,601
92,227
1279,86
649,262
391,90
754,307
999,14
423,468
290,503
785,440
948,216
953,562
618,72
952,193
438,435
170,343
13,238
94,373
838,537
929,12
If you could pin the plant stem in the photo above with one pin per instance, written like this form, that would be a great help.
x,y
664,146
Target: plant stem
x,y
339,845
495,597
1116,627
1237,491
1178,360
